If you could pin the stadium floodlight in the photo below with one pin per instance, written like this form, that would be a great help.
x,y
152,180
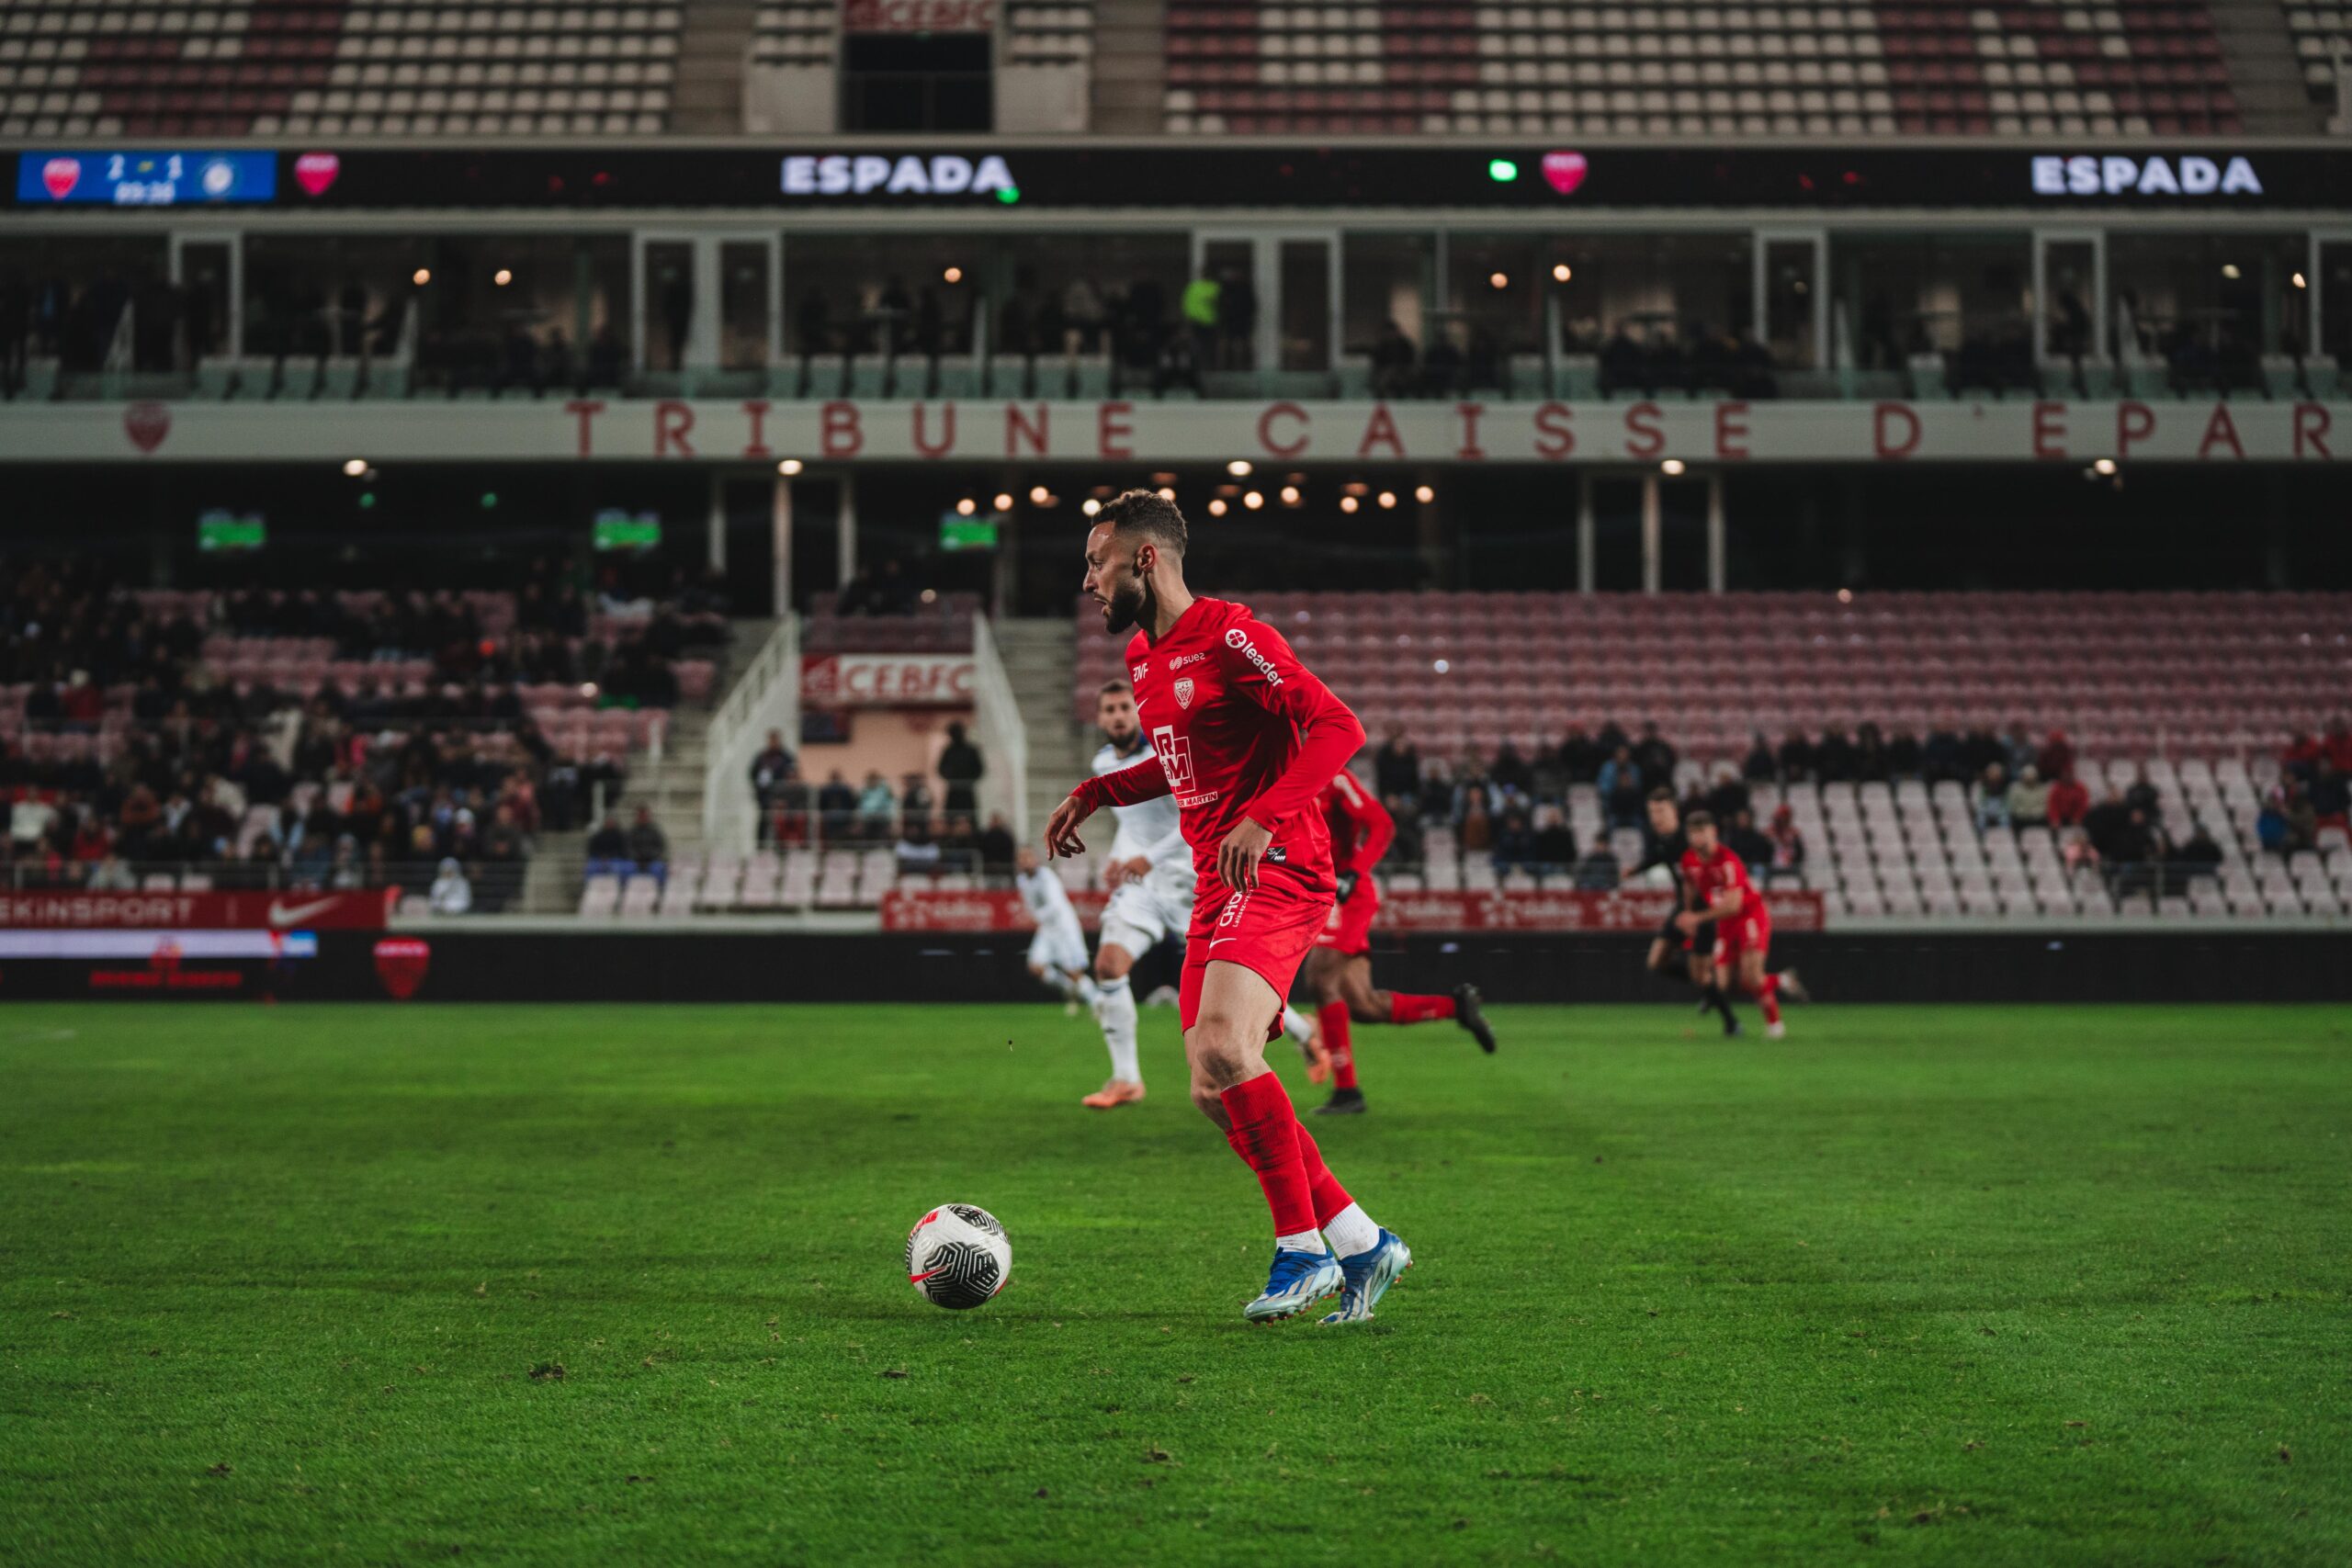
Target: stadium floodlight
x,y
1004,501
1425,493
1562,272
354,467
1502,171
790,466
1672,467
1239,468
1388,499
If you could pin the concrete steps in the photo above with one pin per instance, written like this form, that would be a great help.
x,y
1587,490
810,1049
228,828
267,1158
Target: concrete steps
x,y
707,99
1130,75
1039,659
2265,76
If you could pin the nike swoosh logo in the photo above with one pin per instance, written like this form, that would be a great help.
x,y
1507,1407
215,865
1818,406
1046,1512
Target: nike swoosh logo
x,y
1220,941
287,914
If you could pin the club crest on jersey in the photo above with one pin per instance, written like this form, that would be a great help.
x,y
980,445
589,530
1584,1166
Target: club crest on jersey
x,y
1184,693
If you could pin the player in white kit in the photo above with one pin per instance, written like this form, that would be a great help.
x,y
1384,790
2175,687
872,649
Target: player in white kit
x,y
1150,877
1058,953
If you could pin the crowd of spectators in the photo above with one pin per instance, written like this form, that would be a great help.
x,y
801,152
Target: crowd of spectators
x,y
927,831
1511,807
438,787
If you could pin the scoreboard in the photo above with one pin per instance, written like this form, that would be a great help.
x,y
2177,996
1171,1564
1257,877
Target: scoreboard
x,y
144,179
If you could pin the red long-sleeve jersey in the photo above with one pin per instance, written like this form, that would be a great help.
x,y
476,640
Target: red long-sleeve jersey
x,y
1709,880
1360,826
1242,729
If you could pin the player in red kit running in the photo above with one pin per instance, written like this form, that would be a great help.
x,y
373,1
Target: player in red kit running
x,y
1246,740
1720,891
1340,969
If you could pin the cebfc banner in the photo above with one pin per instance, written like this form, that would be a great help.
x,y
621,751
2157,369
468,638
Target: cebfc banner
x,y
74,909
1633,909
886,680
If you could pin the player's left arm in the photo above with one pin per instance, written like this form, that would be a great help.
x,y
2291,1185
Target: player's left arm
x,y
1128,787
1261,668
1371,830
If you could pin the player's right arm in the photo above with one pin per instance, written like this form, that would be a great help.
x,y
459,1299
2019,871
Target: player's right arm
x,y
1371,830
1130,786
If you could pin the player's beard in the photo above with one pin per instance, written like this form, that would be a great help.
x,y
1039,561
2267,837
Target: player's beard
x,y
1129,604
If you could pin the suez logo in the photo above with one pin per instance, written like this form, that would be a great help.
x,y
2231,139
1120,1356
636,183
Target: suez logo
x,y
1237,638
863,174
2114,174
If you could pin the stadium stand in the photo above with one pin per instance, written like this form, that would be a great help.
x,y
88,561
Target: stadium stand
x,y
1699,70
113,67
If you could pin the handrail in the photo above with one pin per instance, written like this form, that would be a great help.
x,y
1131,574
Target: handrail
x,y
1004,739
765,696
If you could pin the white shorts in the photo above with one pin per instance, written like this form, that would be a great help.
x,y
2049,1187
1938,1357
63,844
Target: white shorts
x,y
1141,915
1060,945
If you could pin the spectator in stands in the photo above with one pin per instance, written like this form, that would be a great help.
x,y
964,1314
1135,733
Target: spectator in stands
x,y
1747,841
786,819
2056,756
2069,800
2271,822
1798,760
1939,757
649,847
2028,800
1903,755
608,850
1992,799
1514,840
2330,799
1392,362
877,808
1870,763
1788,844
960,769
916,851
996,846
1437,793
1729,796
916,801
451,893
1554,850
1580,756
346,873
1597,872
1199,306
2107,826
2133,854
1620,785
1397,768
837,808
2140,794
2197,855
1760,766
2302,822
1655,755
1834,758
111,875
1510,770
1474,827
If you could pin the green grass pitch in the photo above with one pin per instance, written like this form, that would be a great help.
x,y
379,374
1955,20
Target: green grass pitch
x,y
604,1284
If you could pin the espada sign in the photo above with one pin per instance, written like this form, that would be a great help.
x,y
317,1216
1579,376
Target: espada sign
x,y
2114,174
869,174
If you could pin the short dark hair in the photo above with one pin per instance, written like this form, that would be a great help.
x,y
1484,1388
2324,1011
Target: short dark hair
x,y
1662,792
1107,687
1699,819
1145,512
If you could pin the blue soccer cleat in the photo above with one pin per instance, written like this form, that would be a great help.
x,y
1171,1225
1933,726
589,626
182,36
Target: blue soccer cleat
x,y
1298,1282
1369,1274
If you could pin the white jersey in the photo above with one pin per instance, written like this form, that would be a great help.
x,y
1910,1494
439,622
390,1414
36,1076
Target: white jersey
x,y
1149,830
1059,943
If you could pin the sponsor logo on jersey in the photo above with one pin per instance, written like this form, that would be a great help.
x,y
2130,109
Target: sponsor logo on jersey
x,y
1138,671
1205,798
1183,658
1176,758
1184,693
1239,640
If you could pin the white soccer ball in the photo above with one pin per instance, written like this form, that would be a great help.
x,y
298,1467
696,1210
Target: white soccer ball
x,y
958,1255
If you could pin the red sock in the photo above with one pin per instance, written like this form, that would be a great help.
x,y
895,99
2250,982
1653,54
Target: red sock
x,y
1265,1134
1403,1009
1333,1017
1329,1196
1768,997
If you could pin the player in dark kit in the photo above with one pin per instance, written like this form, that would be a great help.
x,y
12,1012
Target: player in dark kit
x,y
1340,969
1688,951
1246,740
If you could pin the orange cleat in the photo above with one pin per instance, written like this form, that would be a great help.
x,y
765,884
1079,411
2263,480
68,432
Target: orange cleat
x,y
1117,1092
1318,1060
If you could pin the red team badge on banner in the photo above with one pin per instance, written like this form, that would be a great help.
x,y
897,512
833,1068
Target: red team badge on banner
x,y
400,964
147,424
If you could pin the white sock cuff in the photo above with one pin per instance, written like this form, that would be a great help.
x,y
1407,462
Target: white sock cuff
x,y
1301,1241
1350,1231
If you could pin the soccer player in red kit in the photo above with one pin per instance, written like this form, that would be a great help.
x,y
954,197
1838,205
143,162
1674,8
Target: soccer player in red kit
x,y
1720,892
1340,969
1246,738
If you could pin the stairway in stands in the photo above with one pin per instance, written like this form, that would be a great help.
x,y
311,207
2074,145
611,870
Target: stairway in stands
x,y
1130,70
2264,71
708,99
1039,656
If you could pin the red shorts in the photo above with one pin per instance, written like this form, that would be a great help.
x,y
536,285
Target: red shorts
x,y
1350,928
1750,931
1266,928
